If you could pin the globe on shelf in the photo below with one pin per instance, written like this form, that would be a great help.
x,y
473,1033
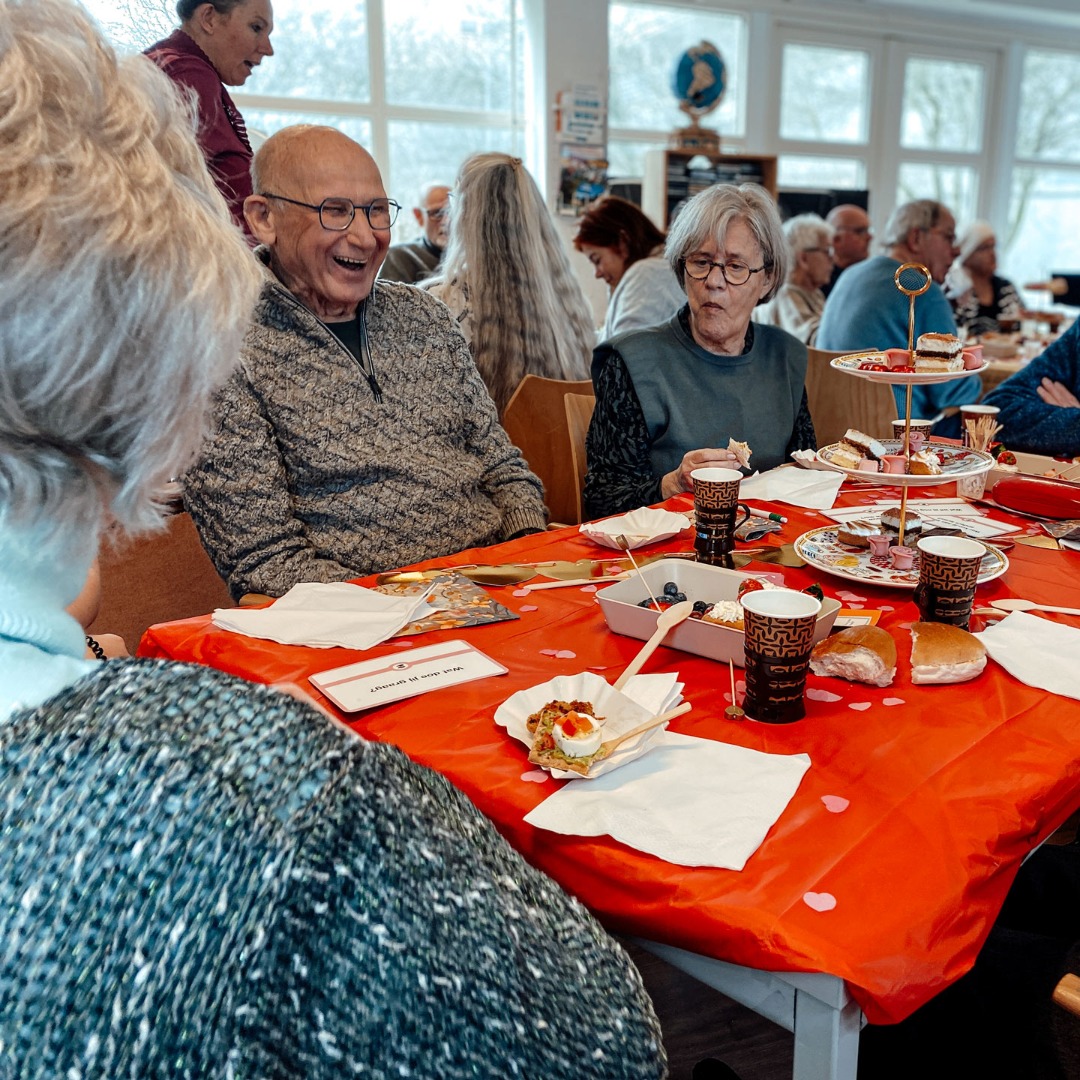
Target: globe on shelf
x,y
699,82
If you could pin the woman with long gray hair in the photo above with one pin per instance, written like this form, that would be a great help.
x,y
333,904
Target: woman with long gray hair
x,y
508,281
204,877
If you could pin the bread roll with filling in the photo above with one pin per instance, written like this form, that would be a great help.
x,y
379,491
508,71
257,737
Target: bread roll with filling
x,y
941,653
865,654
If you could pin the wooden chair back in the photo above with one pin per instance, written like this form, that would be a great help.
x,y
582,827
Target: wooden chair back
x,y
839,401
579,410
157,578
535,420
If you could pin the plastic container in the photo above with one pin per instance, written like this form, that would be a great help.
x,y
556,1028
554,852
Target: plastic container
x,y
619,603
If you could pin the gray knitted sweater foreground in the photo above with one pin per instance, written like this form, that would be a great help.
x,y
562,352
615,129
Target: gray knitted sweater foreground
x,y
306,477
205,878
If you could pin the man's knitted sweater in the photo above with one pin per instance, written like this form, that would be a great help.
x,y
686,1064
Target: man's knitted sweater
x,y
203,877
308,477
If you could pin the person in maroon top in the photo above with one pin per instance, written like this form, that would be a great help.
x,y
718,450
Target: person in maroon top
x,y
219,43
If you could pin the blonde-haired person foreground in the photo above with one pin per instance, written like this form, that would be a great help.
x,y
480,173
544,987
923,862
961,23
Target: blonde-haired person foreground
x,y
203,877
507,280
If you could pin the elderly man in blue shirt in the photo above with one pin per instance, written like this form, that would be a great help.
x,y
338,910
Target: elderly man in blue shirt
x,y
865,310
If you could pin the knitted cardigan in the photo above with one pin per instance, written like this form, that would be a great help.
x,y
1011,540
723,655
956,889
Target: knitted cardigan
x,y
203,877
307,477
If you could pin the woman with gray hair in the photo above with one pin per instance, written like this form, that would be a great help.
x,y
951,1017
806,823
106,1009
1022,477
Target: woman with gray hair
x,y
980,298
219,43
798,304
670,397
508,281
203,877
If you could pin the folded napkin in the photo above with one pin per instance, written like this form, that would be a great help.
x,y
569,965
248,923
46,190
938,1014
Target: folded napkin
x,y
692,802
797,487
324,615
640,527
1036,651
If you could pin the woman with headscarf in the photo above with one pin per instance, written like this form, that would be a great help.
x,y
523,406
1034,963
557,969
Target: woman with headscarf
x,y
219,43
979,297
508,282
201,876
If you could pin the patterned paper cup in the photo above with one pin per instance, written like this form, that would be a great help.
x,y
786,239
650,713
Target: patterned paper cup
x,y
948,573
716,508
779,636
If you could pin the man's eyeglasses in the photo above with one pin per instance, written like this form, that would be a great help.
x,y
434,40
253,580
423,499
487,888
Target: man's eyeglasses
x,y
734,273
337,214
857,230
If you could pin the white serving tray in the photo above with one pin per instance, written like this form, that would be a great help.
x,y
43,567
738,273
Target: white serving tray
x,y
700,582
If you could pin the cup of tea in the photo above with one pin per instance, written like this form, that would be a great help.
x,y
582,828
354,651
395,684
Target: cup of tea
x,y
948,574
716,513
779,636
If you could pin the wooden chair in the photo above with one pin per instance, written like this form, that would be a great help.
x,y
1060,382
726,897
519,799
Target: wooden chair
x,y
839,401
156,578
535,420
579,410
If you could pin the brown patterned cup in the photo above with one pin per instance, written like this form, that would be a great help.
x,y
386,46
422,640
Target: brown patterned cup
x,y
716,507
779,636
948,574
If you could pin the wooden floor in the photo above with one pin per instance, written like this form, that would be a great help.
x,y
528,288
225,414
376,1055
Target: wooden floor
x,y
699,1022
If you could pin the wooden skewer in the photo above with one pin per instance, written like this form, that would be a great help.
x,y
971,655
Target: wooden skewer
x,y
656,721
573,581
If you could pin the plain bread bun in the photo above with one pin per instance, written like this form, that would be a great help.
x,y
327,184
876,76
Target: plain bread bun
x,y
865,654
941,653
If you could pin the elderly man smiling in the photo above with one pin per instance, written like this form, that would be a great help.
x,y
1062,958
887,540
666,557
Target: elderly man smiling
x,y
356,434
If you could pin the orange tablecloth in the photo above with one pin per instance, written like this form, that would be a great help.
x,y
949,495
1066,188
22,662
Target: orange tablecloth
x,y
948,787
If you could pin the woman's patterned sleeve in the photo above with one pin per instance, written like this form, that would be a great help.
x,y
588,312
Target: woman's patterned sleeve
x,y
620,476
802,434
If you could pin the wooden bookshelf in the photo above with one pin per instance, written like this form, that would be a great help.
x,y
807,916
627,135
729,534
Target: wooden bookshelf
x,y
669,180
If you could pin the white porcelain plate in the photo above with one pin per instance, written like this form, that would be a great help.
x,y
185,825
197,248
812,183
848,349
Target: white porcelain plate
x,y
820,548
956,463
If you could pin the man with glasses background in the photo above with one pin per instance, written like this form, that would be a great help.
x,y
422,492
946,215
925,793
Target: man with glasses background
x,y
419,261
356,434
851,234
866,310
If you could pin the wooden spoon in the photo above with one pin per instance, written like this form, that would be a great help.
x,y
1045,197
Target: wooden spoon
x,y
669,618
656,721
1029,605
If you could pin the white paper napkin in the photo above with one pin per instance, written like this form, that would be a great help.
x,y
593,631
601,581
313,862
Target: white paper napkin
x,y
692,802
324,615
640,527
797,487
1036,651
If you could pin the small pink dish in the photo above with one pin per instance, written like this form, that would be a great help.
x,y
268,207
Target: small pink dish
x,y
973,357
894,463
869,465
898,358
901,557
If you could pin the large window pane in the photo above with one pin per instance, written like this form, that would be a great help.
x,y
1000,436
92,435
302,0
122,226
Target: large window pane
x,y
320,51
943,105
954,185
422,153
1050,107
825,94
459,54
801,171
1044,224
645,42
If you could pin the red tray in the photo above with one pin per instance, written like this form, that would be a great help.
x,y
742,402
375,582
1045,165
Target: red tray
x,y
1038,495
